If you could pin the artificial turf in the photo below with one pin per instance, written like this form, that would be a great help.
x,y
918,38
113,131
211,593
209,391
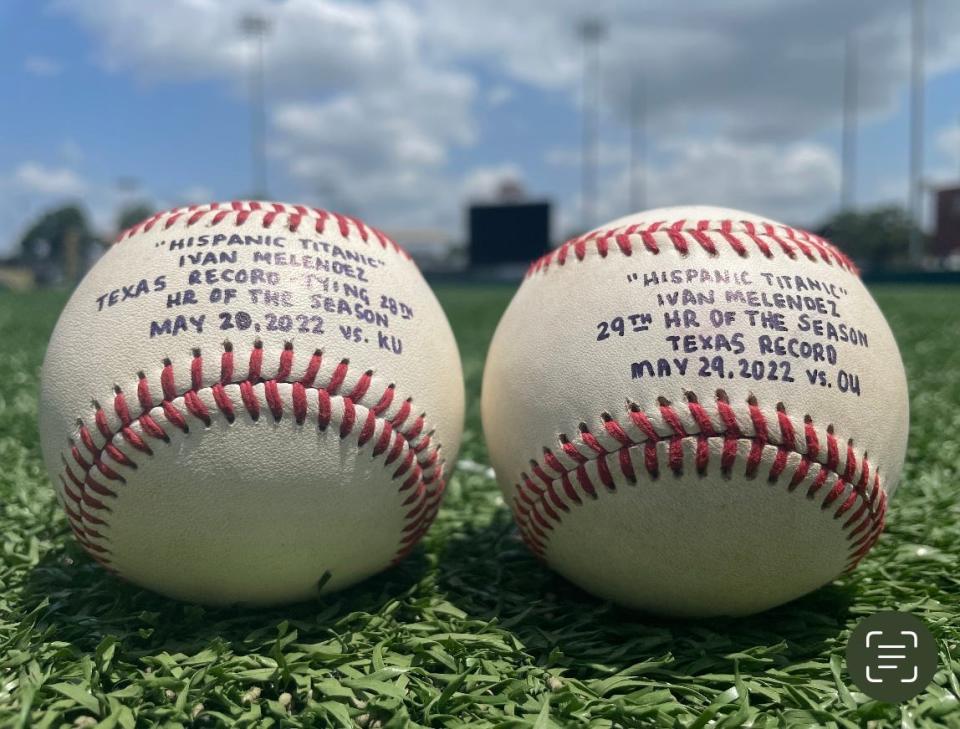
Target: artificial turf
x,y
470,630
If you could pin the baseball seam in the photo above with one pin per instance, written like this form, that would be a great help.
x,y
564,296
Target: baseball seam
x,y
561,480
373,416
709,235
266,214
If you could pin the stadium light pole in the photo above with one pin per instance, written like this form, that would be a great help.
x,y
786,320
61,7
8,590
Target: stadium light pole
x,y
638,140
848,152
916,130
256,28
591,31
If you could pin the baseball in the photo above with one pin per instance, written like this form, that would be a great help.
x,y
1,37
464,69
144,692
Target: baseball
x,y
250,403
696,411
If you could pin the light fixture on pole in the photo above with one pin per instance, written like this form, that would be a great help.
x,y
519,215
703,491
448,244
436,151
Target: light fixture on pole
x,y
638,144
848,155
591,31
256,28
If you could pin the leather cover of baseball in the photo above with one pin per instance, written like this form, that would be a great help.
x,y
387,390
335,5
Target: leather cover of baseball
x,y
696,411
245,402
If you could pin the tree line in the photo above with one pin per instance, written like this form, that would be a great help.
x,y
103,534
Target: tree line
x,y
61,244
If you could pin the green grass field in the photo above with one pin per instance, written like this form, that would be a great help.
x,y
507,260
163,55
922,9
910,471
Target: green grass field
x,y
469,630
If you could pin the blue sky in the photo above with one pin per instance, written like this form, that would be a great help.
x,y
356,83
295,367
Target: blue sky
x,y
402,110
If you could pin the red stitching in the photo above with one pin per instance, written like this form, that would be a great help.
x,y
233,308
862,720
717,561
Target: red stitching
x,y
245,211
83,477
538,502
684,235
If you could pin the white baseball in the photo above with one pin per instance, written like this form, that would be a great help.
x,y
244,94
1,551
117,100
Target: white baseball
x,y
245,402
696,411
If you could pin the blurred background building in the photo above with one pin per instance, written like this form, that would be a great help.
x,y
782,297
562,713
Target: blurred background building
x,y
946,235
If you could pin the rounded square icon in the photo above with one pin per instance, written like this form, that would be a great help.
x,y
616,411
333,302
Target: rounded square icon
x,y
891,656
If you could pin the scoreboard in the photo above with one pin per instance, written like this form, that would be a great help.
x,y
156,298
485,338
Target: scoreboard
x,y
508,233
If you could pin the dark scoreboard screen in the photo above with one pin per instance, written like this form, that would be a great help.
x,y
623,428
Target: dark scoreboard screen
x,y
947,237
509,233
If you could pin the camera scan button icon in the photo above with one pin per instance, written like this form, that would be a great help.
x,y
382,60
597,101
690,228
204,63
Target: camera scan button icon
x,y
874,637
891,656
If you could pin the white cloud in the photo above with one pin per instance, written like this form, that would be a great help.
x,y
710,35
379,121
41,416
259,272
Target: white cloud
x,y
311,48
793,182
757,70
370,101
947,142
797,183
42,66
362,117
484,183
34,177
365,134
376,154
499,95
